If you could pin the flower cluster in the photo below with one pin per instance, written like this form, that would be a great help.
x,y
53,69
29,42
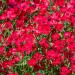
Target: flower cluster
x,y
37,37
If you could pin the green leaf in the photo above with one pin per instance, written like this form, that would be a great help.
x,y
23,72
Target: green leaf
x,y
4,0
7,33
2,74
14,24
58,8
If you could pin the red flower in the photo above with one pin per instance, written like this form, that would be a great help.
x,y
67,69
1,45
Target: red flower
x,y
16,59
26,20
12,74
72,47
37,56
58,45
24,6
51,54
64,71
72,2
59,27
60,3
8,25
2,50
57,61
43,42
1,37
3,16
13,1
73,20
67,34
11,14
5,64
42,27
55,36
72,60
39,73
37,1
27,73
73,67
32,62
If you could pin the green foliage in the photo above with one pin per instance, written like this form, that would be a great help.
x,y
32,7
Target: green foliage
x,y
13,24
22,67
7,33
